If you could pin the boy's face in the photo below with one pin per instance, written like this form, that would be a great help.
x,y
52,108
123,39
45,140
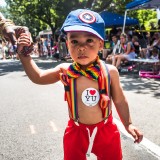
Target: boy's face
x,y
83,47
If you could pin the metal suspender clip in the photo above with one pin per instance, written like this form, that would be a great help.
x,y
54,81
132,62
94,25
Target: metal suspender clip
x,y
76,122
102,91
66,88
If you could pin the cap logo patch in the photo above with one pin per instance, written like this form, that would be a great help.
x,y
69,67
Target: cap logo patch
x,y
87,17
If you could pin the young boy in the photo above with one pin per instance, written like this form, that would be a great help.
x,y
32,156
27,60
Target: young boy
x,y
90,126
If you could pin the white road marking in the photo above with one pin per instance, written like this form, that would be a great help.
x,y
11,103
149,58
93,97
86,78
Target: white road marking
x,y
32,128
52,124
146,144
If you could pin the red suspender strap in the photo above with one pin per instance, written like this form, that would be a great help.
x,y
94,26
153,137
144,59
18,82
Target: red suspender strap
x,y
70,95
104,90
67,97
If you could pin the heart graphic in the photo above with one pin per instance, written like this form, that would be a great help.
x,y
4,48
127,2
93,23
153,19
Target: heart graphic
x,y
92,92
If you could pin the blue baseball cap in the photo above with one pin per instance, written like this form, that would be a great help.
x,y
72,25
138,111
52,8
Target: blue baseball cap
x,y
84,20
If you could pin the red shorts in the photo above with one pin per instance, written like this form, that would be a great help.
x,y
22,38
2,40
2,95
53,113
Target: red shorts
x,y
106,144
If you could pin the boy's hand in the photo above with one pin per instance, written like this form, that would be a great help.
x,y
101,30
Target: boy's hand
x,y
23,41
10,32
20,37
136,134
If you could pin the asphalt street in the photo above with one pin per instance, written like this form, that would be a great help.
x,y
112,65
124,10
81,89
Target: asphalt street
x,y
33,117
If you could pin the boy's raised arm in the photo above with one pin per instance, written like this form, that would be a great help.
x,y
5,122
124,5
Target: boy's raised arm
x,y
35,74
121,105
19,36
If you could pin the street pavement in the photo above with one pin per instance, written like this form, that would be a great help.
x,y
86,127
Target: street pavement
x,y
33,117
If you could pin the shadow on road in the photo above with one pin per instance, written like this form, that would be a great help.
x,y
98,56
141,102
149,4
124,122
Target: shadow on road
x,y
141,85
9,66
130,82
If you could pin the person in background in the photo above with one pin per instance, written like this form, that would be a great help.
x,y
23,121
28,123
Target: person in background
x,y
4,50
155,54
136,45
0,47
128,49
146,52
115,50
63,52
11,50
113,31
45,50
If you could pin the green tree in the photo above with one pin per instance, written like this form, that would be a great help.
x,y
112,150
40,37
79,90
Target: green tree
x,y
38,13
51,13
145,17
42,14
4,11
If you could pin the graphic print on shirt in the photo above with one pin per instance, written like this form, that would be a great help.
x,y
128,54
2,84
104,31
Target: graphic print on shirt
x,y
90,97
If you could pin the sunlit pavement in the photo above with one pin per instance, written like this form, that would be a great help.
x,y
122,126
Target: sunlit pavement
x,y
33,117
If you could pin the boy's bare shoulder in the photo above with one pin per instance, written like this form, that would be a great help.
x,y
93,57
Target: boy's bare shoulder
x,y
114,74
112,68
112,71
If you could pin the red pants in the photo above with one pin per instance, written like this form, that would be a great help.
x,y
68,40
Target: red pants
x,y
106,145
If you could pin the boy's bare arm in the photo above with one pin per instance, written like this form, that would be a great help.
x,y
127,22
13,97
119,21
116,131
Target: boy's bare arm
x,y
121,105
118,97
37,75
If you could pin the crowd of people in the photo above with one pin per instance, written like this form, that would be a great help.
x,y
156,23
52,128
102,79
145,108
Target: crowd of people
x,y
52,48
130,45
7,50
45,47
122,46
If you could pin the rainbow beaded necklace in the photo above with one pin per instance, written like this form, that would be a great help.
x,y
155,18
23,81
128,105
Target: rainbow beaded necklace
x,y
97,71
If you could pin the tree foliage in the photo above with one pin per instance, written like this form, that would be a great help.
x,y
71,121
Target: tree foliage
x,y
42,14
145,17
4,11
